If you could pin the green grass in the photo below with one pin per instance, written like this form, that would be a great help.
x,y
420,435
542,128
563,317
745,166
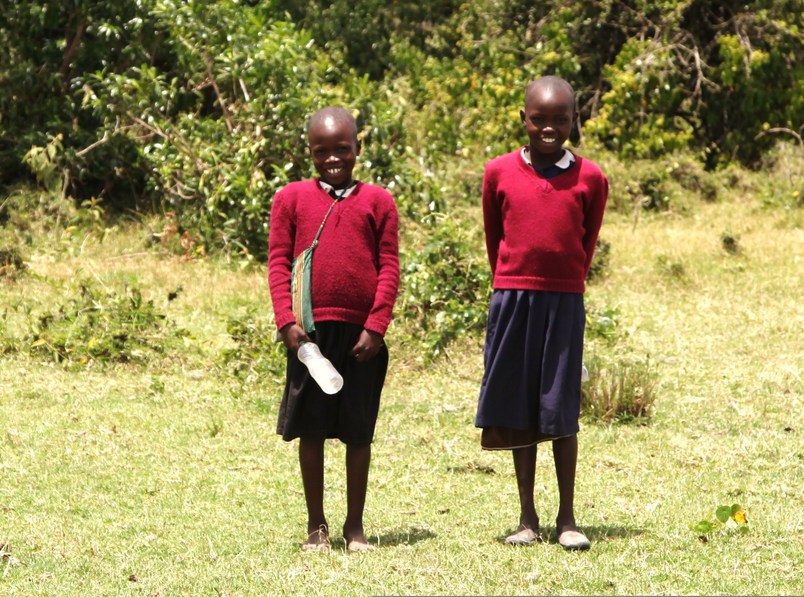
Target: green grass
x,y
167,478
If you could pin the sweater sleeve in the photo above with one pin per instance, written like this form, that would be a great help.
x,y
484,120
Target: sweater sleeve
x,y
593,216
492,216
388,274
280,259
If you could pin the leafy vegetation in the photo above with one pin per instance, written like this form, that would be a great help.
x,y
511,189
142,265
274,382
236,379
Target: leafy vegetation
x,y
96,325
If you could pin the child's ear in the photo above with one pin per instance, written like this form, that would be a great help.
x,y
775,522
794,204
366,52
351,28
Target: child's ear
x,y
358,146
522,117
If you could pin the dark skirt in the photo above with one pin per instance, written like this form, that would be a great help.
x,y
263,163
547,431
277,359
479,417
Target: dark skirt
x,y
531,389
351,414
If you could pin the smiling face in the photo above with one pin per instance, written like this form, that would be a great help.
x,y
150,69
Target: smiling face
x,y
548,118
332,136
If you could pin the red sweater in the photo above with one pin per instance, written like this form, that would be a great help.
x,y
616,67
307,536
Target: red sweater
x,y
541,233
355,275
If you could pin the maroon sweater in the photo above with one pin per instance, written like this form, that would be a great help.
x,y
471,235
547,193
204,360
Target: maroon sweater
x,y
541,233
355,276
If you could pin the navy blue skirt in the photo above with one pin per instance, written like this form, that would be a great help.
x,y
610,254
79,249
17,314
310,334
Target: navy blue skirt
x,y
531,389
351,414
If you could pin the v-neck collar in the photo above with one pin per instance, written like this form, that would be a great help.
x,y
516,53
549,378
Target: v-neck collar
x,y
337,193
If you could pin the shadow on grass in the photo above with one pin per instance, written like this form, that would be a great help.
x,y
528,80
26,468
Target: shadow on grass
x,y
402,537
596,534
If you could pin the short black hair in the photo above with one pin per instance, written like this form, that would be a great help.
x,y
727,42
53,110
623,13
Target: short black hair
x,y
340,115
552,82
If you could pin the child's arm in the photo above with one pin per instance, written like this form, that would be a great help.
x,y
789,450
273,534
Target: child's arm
x,y
387,258
492,217
593,217
292,335
280,262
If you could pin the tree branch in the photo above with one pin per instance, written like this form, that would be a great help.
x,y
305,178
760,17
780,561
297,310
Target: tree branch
x,y
781,129
72,48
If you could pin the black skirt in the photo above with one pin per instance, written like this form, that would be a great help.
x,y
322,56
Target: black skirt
x,y
531,389
351,414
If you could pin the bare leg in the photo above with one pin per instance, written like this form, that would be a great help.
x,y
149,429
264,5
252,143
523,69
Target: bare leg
x,y
311,462
525,467
358,459
565,453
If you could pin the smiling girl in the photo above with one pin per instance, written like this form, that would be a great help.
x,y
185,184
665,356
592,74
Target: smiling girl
x,y
542,208
355,280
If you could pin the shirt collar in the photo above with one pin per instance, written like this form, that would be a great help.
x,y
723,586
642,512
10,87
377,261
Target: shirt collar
x,y
564,162
341,194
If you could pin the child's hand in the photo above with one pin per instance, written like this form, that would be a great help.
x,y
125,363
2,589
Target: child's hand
x,y
292,335
367,347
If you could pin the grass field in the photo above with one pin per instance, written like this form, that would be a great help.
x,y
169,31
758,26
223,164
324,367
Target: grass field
x,y
166,477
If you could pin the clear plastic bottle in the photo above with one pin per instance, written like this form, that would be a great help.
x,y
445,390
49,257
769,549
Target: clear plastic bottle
x,y
322,371
584,373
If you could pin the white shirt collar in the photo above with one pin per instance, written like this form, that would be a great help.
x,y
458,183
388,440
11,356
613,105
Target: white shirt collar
x,y
565,162
329,188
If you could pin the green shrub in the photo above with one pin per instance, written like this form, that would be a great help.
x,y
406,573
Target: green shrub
x,y
602,322
445,286
601,261
730,243
255,353
98,325
781,180
623,390
11,262
671,268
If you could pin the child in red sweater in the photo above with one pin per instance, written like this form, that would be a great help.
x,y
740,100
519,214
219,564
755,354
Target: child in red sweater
x,y
355,280
542,207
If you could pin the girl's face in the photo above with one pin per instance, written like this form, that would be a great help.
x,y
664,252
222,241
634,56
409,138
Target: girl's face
x,y
548,118
334,148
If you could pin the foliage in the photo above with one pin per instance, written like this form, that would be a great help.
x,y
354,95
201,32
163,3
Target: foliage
x,y
11,263
600,261
222,130
45,50
256,352
726,517
620,389
672,268
444,290
781,182
366,32
466,84
602,322
730,243
673,182
97,325
699,74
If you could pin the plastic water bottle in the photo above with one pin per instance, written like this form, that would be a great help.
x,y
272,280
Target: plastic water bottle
x,y
322,371
584,373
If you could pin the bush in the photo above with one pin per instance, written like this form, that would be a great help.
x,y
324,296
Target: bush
x,y
97,325
255,353
445,287
600,261
781,182
623,390
11,262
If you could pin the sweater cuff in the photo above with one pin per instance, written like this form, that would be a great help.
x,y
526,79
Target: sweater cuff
x,y
285,319
375,325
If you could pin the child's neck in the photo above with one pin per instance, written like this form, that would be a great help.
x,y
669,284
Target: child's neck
x,y
341,186
544,160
